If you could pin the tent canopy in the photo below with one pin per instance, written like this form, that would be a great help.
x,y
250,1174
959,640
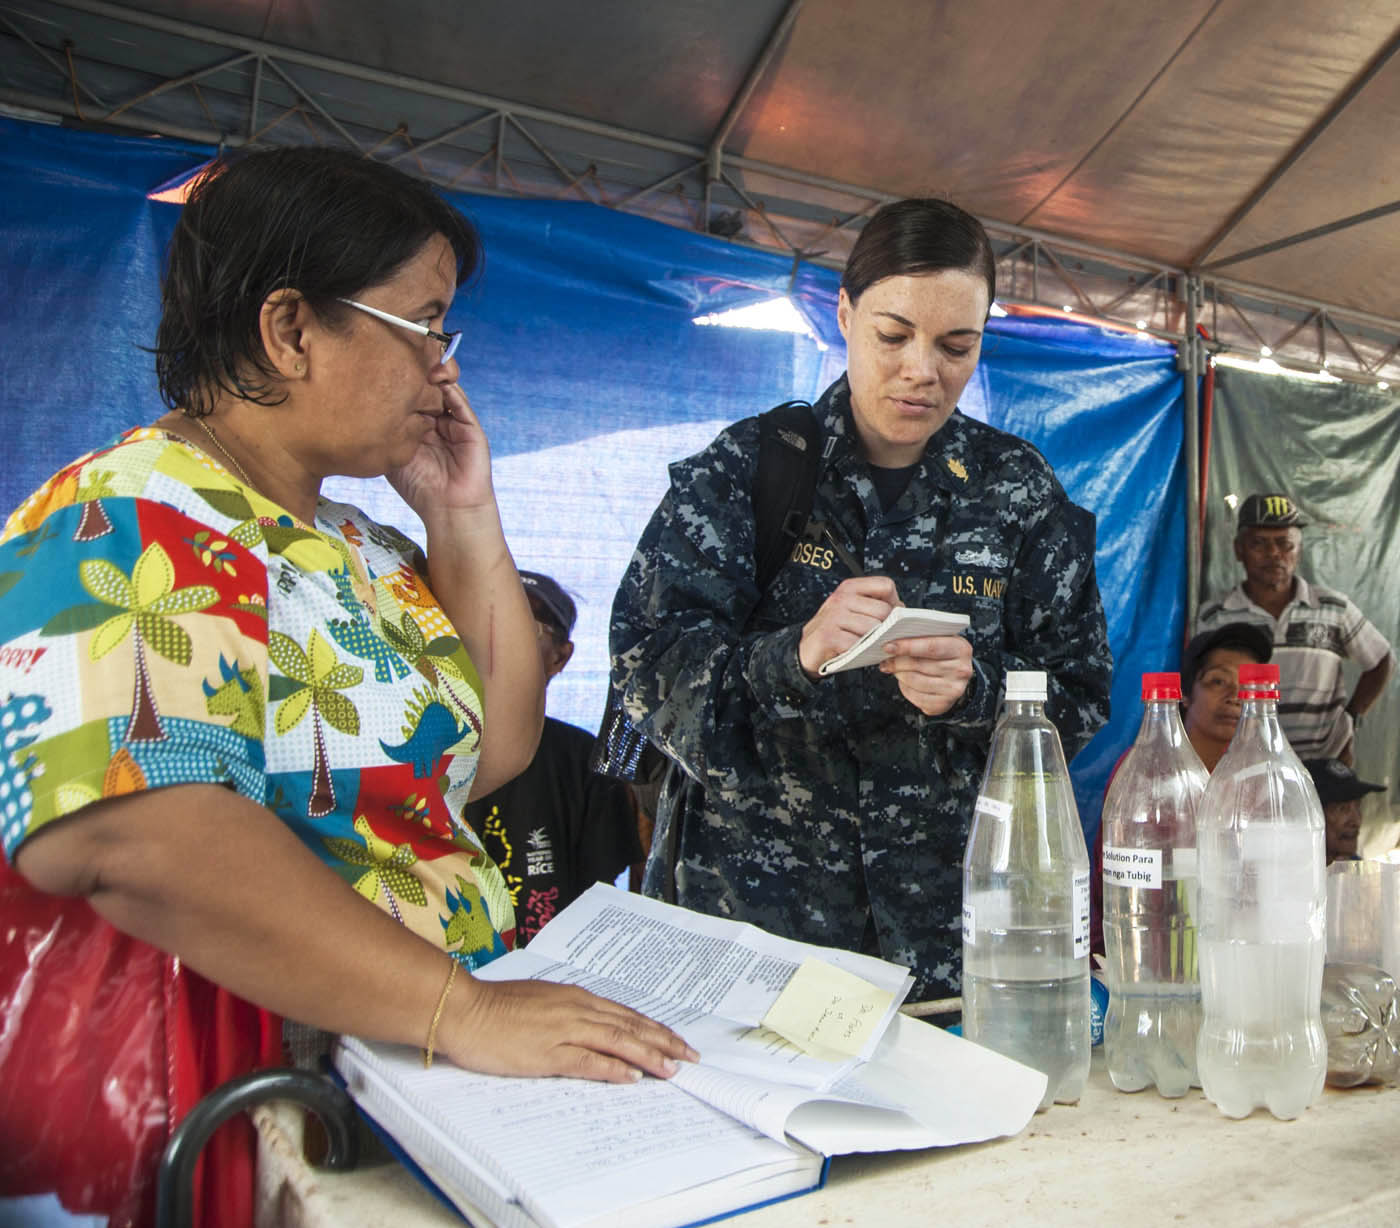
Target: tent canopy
x,y
1117,151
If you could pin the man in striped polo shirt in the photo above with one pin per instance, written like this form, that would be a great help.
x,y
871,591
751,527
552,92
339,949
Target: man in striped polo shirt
x,y
1315,629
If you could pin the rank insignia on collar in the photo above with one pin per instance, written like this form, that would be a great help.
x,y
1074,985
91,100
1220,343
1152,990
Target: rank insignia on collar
x,y
957,468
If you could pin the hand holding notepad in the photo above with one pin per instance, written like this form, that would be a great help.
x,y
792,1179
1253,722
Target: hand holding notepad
x,y
901,623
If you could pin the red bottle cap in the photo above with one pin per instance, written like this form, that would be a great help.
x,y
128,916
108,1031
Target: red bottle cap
x,y
1258,681
1161,686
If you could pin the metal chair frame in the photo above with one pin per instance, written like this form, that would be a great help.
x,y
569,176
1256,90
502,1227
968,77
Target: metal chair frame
x,y
314,1092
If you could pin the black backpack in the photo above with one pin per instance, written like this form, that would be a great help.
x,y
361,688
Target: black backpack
x,y
785,484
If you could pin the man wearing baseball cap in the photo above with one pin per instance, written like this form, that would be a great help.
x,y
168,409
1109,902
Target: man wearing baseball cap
x,y
1340,791
1315,629
558,827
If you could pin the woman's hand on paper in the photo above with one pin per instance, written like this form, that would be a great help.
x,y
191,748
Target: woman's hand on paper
x,y
540,1028
932,671
857,605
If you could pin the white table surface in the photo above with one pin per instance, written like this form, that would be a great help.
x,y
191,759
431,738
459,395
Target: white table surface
x,y
1112,1159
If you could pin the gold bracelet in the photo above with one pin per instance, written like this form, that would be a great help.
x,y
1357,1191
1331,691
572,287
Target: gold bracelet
x,y
437,1015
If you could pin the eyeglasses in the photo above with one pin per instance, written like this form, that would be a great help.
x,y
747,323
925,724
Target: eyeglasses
x,y
448,341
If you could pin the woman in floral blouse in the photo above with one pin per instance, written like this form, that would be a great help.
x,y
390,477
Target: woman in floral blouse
x,y
241,721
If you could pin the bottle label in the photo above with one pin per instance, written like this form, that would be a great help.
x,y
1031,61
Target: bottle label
x,y
1081,915
969,924
1132,867
990,805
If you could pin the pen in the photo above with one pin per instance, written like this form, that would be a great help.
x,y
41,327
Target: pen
x,y
819,529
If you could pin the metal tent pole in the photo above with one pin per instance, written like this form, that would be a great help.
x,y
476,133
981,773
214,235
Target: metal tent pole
x,y
1189,361
714,153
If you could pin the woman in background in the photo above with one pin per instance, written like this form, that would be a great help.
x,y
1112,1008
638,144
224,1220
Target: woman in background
x,y
1210,684
1210,710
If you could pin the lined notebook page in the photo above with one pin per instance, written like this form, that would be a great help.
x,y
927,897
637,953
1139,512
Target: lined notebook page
x,y
580,1149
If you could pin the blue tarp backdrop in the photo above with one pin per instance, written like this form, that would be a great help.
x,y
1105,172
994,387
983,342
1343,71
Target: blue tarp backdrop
x,y
581,357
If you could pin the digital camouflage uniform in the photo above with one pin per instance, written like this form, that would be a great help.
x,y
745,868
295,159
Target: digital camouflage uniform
x,y
834,811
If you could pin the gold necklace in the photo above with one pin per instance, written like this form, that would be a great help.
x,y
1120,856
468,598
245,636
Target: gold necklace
x,y
229,456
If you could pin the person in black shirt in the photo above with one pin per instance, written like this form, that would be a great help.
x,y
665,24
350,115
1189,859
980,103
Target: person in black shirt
x,y
558,827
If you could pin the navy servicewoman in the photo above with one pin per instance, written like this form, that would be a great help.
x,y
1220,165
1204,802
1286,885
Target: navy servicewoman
x,y
836,810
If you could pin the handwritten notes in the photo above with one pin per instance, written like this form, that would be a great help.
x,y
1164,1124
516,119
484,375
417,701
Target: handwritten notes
x,y
827,1012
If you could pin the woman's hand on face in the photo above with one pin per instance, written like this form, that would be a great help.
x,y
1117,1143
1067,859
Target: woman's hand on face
x,y
932,671
857,605
451,471
539,1028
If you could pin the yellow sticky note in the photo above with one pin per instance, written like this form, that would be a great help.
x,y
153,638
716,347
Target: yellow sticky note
x,y
826,1012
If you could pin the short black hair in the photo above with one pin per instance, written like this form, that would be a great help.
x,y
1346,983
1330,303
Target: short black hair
x,y
324,222
919,235
1252,638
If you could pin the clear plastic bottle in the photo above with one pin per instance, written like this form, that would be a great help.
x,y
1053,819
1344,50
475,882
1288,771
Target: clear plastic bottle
x,y
1149,901
1261,918
1361,1018
1026,901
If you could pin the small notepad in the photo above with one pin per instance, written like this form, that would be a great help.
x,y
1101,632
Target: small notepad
x,y
901,623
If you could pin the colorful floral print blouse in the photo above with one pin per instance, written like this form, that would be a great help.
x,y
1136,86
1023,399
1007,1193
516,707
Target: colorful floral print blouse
x,y
163,623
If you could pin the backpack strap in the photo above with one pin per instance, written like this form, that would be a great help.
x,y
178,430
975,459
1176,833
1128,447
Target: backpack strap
x,y
784,488
785,484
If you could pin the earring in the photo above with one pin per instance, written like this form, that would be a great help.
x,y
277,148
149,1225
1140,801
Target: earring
x,y
300,368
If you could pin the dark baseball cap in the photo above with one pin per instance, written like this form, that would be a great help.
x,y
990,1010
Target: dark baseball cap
x,y
1247,637
1269,511
1338,783
553,598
